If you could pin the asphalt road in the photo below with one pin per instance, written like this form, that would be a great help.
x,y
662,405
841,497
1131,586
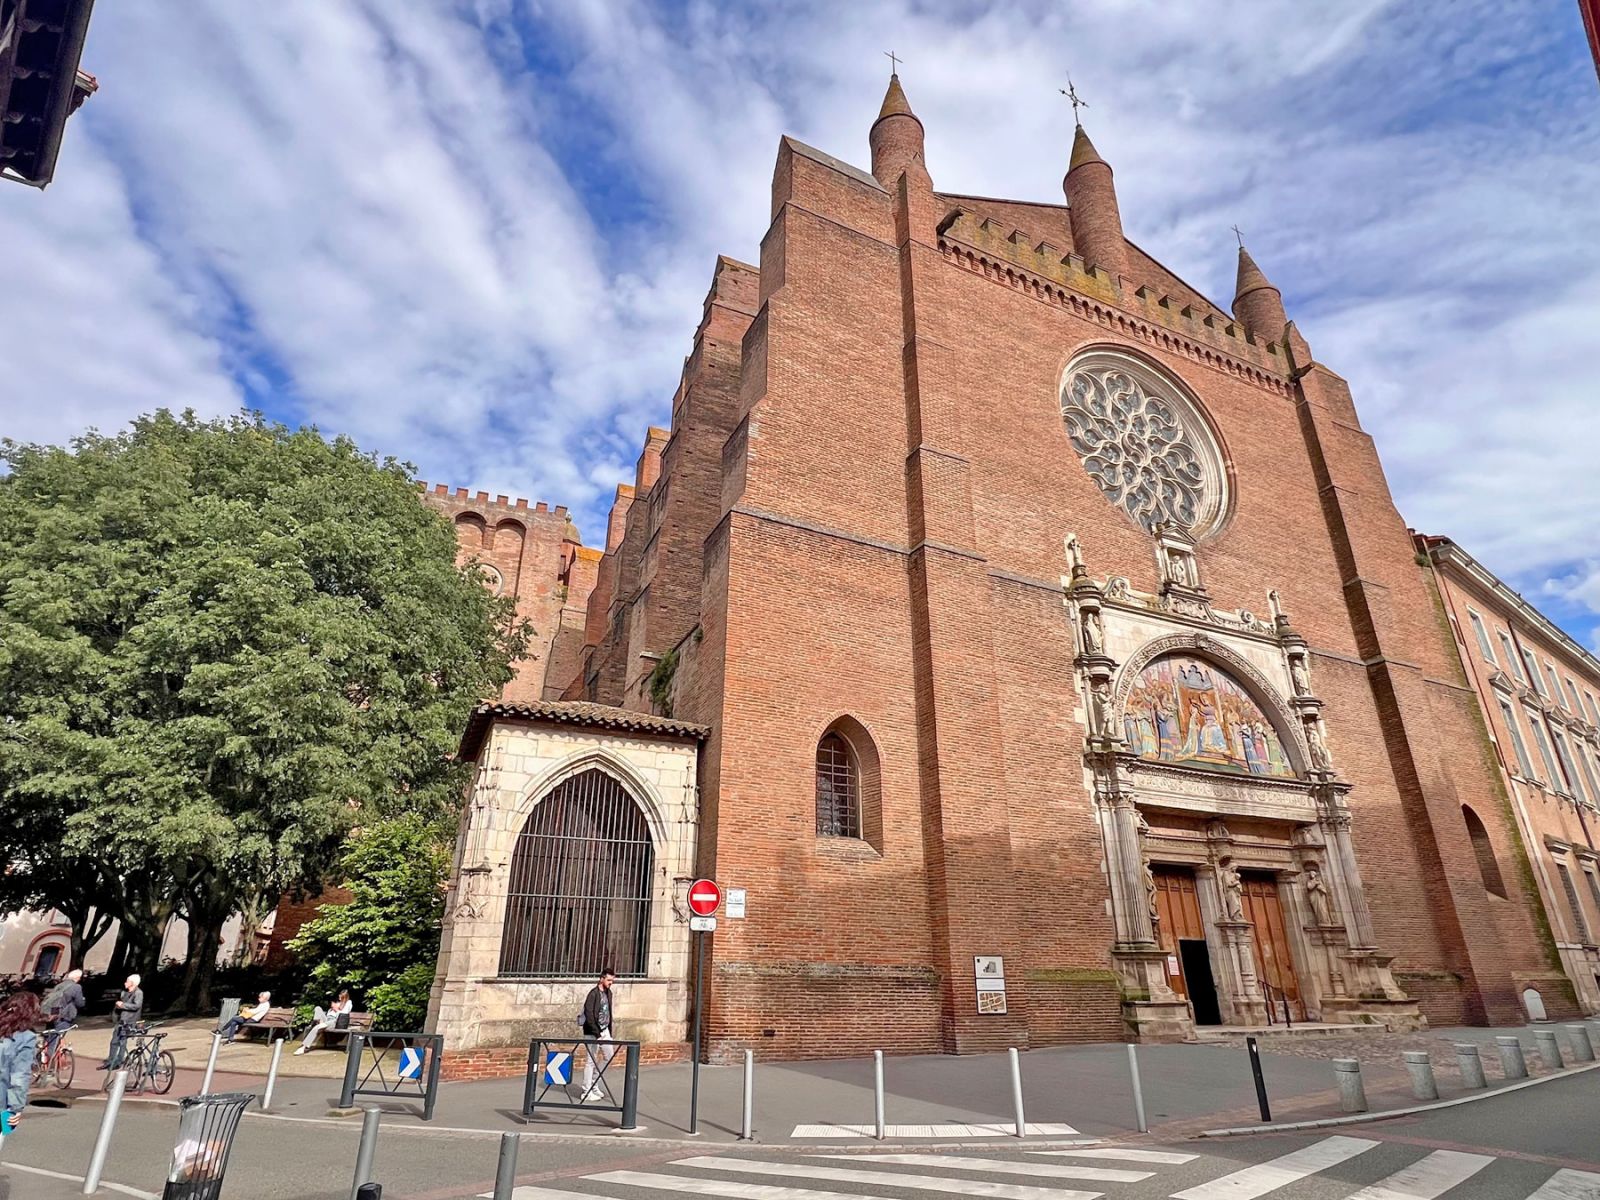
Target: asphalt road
x,y
1541,1143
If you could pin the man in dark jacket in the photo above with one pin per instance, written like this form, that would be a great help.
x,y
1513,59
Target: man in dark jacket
x,y
129,1005
597,1025
63,1005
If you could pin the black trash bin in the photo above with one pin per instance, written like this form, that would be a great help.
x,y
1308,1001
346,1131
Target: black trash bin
x,y
206,1125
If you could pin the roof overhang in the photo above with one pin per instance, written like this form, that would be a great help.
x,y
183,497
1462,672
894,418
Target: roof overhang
x,y
577,713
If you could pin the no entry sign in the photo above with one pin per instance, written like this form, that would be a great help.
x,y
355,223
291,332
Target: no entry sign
x,y
704,897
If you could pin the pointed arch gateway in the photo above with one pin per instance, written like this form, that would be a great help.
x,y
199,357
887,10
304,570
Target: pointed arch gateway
x,y
582,873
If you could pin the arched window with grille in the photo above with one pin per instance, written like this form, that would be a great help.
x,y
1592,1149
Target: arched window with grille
x,y
838,788
578,899
1488,865
849,803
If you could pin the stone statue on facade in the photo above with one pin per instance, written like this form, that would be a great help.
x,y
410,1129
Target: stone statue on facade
x,y
1232,889
1321,760
1093,632
1100,708
1300,675
1074,553
1317,895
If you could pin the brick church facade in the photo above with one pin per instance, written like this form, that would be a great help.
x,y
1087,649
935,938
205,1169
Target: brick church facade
x,y
1035,642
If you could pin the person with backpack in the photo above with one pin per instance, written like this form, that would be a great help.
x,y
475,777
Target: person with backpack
x,y
62,1005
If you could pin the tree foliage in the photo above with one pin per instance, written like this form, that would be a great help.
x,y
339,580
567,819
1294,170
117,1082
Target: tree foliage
x,y
382,944
222,643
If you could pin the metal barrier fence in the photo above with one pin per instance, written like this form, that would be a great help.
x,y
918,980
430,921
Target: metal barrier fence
x,y
552,1065
393,1064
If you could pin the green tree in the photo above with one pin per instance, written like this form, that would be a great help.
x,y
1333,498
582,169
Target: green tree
x,y
383,943
223,644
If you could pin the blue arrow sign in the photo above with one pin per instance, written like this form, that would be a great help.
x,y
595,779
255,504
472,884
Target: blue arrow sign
x,y
411,1063
558,1067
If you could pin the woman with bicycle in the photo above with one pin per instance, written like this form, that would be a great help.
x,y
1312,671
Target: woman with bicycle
x,y
21,1018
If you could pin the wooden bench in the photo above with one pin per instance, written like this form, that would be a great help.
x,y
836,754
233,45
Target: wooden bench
x,y
359,1023
278,1023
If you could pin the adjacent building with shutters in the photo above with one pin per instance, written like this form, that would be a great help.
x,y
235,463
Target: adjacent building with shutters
x,y
1037,645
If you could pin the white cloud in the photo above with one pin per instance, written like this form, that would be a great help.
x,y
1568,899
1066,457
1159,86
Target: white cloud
x,y
476,235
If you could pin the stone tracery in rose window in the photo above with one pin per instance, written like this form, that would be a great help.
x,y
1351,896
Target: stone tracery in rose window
x,y
1143,444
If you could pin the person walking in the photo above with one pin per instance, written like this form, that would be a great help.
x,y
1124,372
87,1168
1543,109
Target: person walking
x,y
63,1004
128,1008
21,1018
597,1015
326,1019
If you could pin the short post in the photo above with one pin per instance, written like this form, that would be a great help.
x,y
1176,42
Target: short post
x,y
1420,1067
1261,1083
1471,1066
505,1174
1549,1049
211,1064
877,1092
1582,1045
1138,1091
748,1123
352,1068
102,1140
1016,1092
1352,1096
272,1074
630,1088
1512,1064
365,1152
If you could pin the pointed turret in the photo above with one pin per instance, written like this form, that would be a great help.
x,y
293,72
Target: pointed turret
x,y
1256,303
1092,204
896,136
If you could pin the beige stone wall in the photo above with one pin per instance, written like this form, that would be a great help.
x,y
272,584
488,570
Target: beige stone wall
x,y
520,764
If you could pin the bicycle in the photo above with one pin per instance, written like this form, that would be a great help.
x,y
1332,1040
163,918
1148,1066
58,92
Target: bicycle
x,y
55,1060
146,1063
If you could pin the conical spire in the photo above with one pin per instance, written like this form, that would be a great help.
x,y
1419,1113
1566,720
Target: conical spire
x,y
896,136
1092,208
1256,302
1083,151
894,101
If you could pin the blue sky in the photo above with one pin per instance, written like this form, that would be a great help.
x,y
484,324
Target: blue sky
x,y
476,235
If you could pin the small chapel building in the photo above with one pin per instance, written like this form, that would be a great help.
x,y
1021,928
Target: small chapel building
x,y
1034,642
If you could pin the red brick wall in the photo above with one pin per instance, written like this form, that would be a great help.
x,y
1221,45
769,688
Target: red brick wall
x,y
892,492
291,915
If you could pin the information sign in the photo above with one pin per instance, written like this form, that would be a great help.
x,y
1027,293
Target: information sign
x,y
702,924
989,971
735,904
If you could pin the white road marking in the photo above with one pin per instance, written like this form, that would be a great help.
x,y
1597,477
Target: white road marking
x,y
537,1193
927,1183
1167,1157
1427,1177
716,1187
1005,1167
108,1186
1569,1185
945,1129
1262,1178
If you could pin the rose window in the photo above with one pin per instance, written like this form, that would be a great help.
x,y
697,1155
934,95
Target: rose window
x,y
1143,443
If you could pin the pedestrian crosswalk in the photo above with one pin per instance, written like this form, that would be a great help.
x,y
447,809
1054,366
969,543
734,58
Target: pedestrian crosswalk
x,y
1331,1168
937,1129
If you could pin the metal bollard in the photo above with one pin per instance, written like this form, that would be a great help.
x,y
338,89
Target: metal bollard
x,y
1582,1045
1352,1096
102,1140
1512,1064
1549,1049
1016,1092
1261,1082
1138,1091
211,1064
877,1091
365,1152
370,1191
272,1074
505,1174
747,1126
1420,1067
1471,1066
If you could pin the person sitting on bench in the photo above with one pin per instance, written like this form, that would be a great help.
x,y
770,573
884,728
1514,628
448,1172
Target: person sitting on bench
x,y
326,1019
247,1016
